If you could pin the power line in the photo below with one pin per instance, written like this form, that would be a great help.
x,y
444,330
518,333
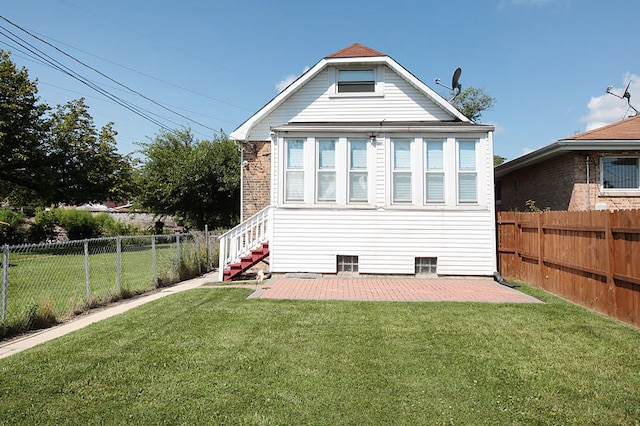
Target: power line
x,y
62,68
68,71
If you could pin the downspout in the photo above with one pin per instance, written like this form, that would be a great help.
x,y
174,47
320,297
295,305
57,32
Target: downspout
x,y
588,186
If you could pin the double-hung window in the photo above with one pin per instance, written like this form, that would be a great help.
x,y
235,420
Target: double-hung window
x,y
294,170
326,177
467,172
356,81
401,185
620,173
434,172
358,174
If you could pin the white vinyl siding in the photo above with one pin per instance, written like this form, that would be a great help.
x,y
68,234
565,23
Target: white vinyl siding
x,y
317,102
467,172
294,170
385,241
434,172
401,171
358,173
326,171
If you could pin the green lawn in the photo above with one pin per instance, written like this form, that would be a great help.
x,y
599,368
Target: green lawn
x,y
213,357
43,281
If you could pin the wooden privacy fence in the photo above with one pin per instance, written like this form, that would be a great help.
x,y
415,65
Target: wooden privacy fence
x,y
591,258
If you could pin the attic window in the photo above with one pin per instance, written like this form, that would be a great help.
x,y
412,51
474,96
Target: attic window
x,y
356,81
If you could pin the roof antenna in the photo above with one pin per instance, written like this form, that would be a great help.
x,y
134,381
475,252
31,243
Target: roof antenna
x,y
455,85
625,95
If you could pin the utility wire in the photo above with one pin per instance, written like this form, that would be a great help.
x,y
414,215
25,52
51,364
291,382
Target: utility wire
x,y
62,68
105,76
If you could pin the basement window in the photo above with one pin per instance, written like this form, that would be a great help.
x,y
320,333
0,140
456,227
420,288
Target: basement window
x,y
426,265
347,263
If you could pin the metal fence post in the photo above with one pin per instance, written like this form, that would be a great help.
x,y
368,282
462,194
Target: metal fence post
x,y
207,249
154,266
119,263
178,250
86,270
198,253
5,278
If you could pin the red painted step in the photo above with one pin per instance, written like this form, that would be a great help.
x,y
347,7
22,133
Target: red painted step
x,y
246,262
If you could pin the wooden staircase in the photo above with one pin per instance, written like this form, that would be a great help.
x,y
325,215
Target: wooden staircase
x,y
233,270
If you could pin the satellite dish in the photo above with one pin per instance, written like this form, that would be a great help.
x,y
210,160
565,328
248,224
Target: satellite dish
x,y
455,83
626,93
455,79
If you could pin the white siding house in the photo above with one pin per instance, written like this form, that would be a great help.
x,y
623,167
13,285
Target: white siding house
x,y
371,171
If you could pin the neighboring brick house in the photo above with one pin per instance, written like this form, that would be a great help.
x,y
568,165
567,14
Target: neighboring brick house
x,y
598,169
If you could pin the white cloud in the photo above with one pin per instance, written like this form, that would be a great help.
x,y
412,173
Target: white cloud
x,y
285,82
606,108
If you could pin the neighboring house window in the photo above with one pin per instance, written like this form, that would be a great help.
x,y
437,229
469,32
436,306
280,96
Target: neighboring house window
x,y
401,185
498,190
326,177
426,265
358,174
620,173
356,81
467,172
347,263
434,171
294,170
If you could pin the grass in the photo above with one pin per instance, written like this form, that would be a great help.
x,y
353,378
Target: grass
x,y
46,286
213,357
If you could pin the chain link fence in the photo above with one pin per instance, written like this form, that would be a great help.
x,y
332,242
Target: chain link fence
x,y
46,283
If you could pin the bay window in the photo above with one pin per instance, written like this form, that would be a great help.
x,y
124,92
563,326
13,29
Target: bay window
x,y
326,170
434,171
401,171
467,172
358,174
294,170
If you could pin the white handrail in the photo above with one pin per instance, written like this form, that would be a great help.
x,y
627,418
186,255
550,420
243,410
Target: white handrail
x,y
239,241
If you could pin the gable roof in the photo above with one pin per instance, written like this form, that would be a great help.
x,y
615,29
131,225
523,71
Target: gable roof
x,y
354,51
620,136
345,56
622,130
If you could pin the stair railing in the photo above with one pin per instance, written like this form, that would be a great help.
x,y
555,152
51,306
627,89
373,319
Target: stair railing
x,y
239,241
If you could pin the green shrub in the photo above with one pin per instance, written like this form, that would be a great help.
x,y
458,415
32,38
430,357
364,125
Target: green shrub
x,y
79,224
11,228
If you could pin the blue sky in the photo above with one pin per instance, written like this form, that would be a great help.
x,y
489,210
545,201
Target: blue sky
x,y
547,62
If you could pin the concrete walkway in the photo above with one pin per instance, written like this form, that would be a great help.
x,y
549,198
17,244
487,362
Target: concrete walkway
x,y
362,289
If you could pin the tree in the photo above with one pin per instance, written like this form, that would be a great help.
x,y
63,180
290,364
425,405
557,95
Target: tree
x,y
198,181
23,130
472,101
497,160
88,166
59,157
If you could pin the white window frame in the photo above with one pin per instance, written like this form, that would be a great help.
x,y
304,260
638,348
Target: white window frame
x,y
378,83
326,171
635,190
467,171
357,171
435,171
402,171
290,170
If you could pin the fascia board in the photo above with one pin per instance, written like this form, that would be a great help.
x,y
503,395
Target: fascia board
x,y
241,133
563,146
354,128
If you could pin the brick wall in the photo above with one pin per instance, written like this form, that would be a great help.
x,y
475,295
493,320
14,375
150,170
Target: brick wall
x,y
560,183
256,177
